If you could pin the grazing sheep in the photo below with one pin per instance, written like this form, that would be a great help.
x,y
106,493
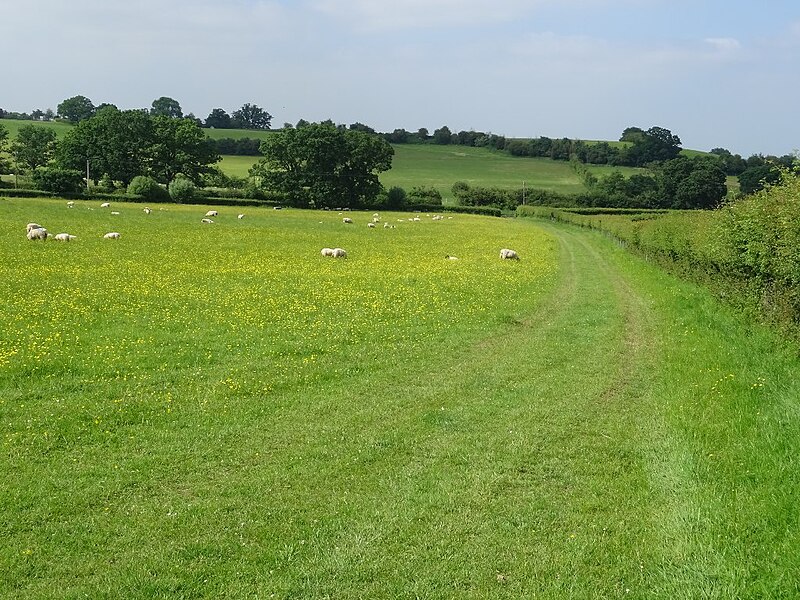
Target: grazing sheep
x,y
64,237
375,215
105,205
327,252
30,226
212,213
146,210
347,220
111,235
37,233
448,257
509,254
386,226
277,207
70,204
114,212
339,253
240,216
206,221
371,225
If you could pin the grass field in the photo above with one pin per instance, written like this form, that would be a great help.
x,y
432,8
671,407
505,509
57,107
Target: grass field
x,y
441,166
207,411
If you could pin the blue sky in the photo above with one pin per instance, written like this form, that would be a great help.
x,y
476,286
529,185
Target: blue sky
x,y
715,73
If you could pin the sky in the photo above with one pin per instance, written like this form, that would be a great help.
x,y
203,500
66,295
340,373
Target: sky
x,y
716,73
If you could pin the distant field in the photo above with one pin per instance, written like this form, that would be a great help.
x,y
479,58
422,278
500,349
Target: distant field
x,y
13,125
430,165
441,166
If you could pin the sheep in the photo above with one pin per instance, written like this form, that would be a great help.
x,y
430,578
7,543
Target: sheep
x,y
206,221
105,205
111,235
146,210
212,213
347,220
448,257
509,254
70,204
37,233
339,253
64,237
240,216
371,225
114,212
30,226
327,252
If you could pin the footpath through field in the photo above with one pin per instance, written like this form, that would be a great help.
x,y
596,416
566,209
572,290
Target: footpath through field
x,y
628,437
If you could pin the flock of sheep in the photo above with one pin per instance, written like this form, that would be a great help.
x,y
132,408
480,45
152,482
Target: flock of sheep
x,y
37,232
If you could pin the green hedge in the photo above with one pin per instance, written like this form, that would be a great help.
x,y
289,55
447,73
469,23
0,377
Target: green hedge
x,y
747,252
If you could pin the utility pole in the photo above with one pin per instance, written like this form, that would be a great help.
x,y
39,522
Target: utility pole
x,y
87,175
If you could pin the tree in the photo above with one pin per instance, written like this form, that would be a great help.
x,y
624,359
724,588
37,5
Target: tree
x,y
4,164
218,119
250,116
166,107
442,136
756,178
632,134
75,109
34,147
179,146
654,145
114,142
324,164
688,183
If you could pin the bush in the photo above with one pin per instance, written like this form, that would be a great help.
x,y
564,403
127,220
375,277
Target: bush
x,y
395,198
148,188
59,181
424,195
182,189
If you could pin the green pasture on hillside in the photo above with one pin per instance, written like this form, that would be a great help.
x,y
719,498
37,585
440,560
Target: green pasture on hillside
x,y
216,410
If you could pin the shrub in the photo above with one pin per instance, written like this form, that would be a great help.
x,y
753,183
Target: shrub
x,y
147,188
59,181
395,198
424,195
182,189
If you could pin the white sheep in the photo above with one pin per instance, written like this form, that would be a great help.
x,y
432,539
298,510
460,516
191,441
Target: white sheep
x,y
111,235
70,204
212,213
347,220
64,237
448,257
105,205
114,212
37,233
509,254
146,210
339,253
327,252
240,216
206,221
371,225
30,226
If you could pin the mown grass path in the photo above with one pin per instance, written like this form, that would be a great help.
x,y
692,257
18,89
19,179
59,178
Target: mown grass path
x,y
621,436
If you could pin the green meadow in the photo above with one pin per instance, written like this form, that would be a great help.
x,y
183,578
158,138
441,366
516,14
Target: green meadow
x,y
441,166
216,410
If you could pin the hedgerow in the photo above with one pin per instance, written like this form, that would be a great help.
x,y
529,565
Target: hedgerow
x,y
747,251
